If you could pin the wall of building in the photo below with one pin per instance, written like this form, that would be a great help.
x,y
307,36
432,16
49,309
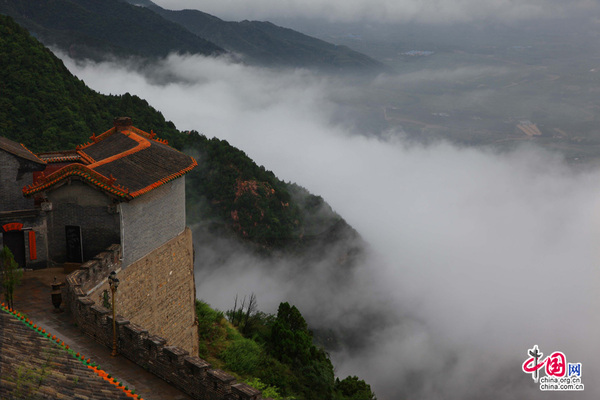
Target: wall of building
x,y
158,292
15,173
175,365
152,219
77,203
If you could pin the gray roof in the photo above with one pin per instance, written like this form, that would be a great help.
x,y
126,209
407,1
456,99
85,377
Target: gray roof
x,y
18,150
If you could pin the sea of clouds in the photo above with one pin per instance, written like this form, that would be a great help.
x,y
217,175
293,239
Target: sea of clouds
x,y
475,255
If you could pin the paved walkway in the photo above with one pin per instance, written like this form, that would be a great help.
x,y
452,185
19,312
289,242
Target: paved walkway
x,y
34,299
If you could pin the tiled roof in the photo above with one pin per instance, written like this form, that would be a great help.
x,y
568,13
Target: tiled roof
x,y
34,365
124,161
19,150
110,146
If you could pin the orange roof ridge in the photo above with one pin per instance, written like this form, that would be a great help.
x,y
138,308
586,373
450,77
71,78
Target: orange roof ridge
x,y
142,144
85,157
35,155
131,129
151,135
81,171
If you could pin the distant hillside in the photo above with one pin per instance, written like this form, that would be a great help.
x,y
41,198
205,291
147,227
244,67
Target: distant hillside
x,y
45,107
267,44
92,28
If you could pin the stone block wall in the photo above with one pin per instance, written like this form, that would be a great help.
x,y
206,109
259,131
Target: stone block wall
x,y
158,292
150,220
175,365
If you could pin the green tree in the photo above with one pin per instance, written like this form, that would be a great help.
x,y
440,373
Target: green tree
x,y
353,388
291,343
11,274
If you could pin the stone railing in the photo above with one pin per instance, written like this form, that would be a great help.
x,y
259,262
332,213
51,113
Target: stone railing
x,y
190,374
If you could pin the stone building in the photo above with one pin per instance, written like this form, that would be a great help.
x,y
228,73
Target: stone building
x,y
124,188
23,225
115,204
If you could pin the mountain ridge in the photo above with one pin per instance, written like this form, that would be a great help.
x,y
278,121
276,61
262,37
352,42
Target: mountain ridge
x,y
265,43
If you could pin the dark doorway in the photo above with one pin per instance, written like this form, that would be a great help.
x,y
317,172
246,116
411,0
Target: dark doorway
x,y
74,247
15,241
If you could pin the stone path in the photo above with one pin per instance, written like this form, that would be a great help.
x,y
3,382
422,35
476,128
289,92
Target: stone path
x,y
33,298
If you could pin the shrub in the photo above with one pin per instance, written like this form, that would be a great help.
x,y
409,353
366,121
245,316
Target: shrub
x,y
10,275
242,356
209,320
268,391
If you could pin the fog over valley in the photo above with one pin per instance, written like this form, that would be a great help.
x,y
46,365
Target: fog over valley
x,y
482,240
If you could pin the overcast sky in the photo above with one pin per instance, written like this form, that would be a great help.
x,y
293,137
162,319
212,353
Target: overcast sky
x,y
393,11
482,254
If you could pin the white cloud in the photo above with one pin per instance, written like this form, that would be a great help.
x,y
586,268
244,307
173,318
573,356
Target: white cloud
x,y
430,11
481,254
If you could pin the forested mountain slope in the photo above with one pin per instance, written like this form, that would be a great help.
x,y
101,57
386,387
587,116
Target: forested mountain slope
x,y
97,28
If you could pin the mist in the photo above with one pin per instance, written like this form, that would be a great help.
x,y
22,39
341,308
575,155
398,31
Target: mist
x,y
474,255
389,11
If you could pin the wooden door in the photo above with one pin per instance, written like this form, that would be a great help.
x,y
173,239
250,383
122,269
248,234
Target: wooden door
x,y
74,245
15,241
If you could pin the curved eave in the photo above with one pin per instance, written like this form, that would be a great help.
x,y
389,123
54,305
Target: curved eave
x,y
82,173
